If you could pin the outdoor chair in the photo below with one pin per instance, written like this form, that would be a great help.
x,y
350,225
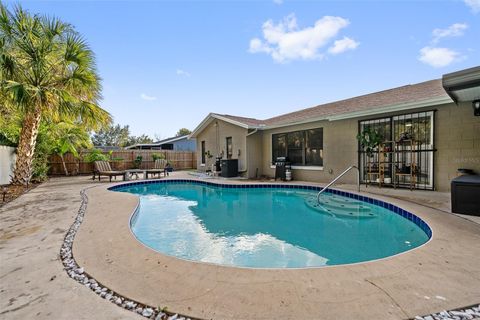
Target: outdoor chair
x,y
102,168
160,166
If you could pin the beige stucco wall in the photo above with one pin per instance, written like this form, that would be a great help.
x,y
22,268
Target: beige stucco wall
x,y
217,143
457,141
339,145
457,133
255,154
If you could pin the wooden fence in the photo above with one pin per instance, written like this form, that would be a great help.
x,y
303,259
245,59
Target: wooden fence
x,y
122,160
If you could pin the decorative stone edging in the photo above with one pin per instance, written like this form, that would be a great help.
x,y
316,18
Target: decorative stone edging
x,y
78,273
468,313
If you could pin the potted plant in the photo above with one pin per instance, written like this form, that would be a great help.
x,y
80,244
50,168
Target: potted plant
x,y
137,162
369,140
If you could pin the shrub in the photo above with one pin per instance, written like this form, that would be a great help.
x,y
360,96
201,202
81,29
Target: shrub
x,y
157,156
95,155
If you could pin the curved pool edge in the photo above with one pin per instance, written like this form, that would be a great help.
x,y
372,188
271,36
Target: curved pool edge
x,y
419,222
182,294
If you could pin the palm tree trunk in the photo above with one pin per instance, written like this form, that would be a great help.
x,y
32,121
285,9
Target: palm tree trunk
x,y
64,165
26,147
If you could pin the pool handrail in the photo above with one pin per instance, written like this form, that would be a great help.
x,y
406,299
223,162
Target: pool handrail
x,y
338,177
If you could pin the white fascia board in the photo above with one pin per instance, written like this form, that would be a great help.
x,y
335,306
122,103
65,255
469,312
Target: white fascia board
x,y
210,118
237,123
200,127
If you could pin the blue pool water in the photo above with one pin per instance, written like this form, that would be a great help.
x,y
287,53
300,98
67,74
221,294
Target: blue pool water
x,y
266,227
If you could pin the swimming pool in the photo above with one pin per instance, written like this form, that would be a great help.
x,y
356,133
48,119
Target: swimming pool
x,y
269,226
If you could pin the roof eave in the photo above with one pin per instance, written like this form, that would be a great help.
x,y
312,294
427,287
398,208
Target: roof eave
x,y
210,117
376,111
395,108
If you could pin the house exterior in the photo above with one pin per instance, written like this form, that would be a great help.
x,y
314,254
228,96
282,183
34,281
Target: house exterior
x,y
181,143
321,142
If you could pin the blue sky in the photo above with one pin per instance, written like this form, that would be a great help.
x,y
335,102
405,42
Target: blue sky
x,y
166,65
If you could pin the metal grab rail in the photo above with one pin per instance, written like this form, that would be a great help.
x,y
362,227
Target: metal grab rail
x,y
338,177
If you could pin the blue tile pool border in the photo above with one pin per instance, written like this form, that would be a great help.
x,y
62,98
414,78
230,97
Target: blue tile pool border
x,y
391,207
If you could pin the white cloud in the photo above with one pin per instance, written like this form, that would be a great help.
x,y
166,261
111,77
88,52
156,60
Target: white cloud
x,y
285,41
343,45
473,4
278,1
147,97
181,72
438,57
455,30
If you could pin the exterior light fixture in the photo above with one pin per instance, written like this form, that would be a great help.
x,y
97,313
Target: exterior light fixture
x,y
476,107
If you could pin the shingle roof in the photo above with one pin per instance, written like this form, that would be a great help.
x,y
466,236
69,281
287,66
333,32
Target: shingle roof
x,y
401,95
397,96
248,121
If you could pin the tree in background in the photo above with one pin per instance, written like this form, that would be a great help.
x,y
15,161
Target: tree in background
x,y
118,136
183,132
113,135
140,139
47,71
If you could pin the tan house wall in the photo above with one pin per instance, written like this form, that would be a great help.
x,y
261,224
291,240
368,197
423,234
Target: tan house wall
x,y
457,133
255,154
340,150
457,141
225,129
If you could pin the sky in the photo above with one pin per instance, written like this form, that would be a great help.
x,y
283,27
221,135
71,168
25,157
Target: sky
x,y
166,64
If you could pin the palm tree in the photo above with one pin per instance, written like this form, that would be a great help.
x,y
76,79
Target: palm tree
x,y
46,71
68,139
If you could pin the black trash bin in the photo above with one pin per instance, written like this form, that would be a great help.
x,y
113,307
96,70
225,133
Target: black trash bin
x,y
229,168
465,192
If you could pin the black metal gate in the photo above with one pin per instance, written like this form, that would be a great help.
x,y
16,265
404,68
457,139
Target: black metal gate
x,y
419,126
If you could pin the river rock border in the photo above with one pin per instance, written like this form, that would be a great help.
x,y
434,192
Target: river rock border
x,y
468,313
78,273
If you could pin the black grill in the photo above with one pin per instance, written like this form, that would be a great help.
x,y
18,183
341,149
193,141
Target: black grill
x,y
281,166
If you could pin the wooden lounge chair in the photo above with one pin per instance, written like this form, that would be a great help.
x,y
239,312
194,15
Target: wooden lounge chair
x,y
102,168
160,166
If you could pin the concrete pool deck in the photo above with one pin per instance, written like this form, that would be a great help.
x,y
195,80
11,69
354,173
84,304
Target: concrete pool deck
x,y
33,283
443,274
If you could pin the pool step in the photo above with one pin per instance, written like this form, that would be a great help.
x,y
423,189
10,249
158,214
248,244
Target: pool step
x,y
339,199
340,208
337,205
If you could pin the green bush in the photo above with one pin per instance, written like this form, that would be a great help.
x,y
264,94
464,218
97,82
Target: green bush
x,y
96,155
157,156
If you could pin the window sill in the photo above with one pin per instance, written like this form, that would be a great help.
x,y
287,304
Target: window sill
x,y
202,164
312,168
